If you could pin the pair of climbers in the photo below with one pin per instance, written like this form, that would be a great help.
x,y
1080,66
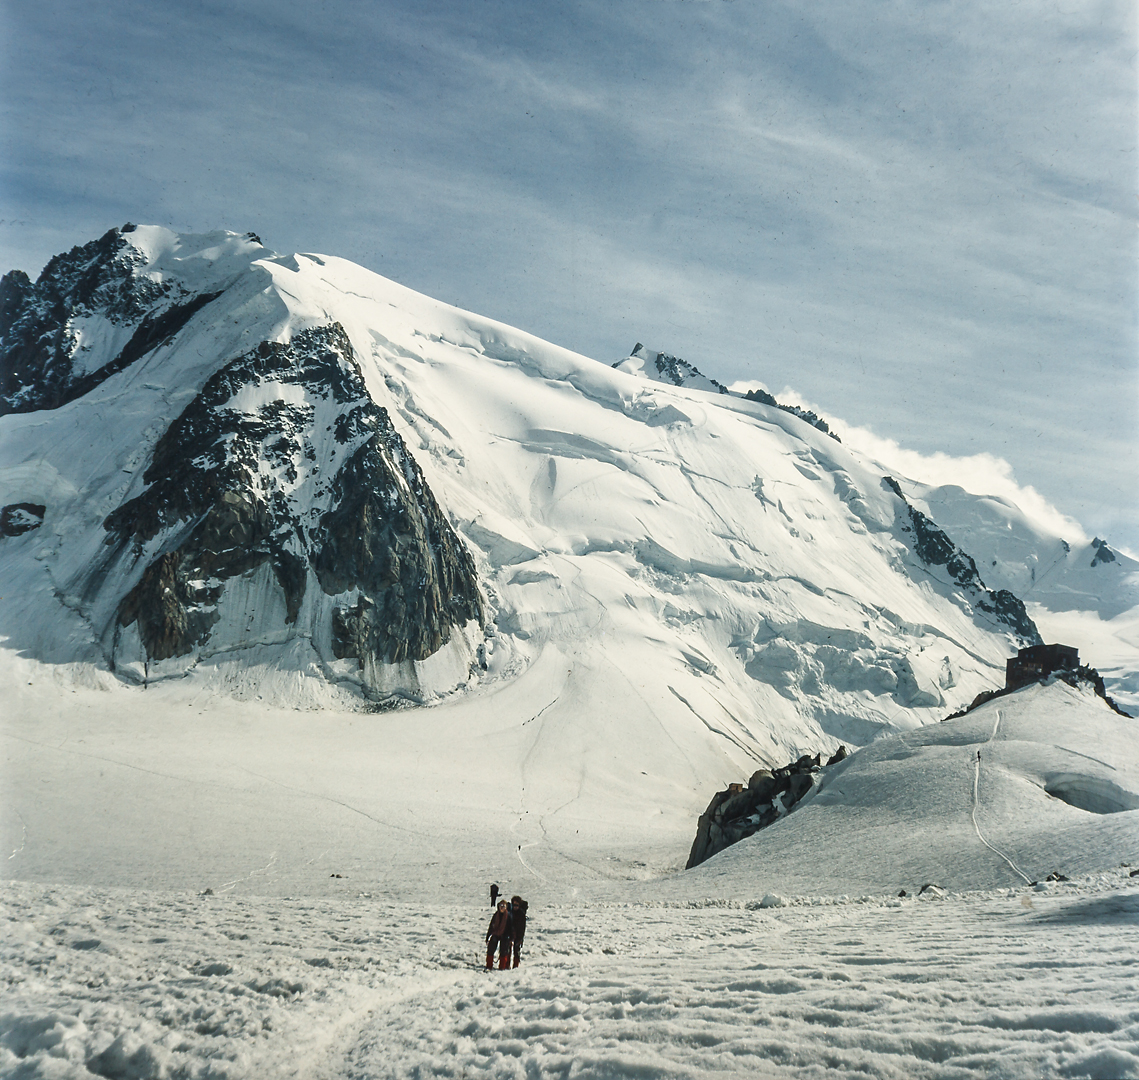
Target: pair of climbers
x,y
506,932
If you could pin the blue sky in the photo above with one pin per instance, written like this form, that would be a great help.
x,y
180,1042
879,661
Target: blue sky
x,y
920,218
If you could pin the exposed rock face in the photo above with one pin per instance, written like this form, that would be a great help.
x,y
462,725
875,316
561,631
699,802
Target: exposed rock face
x,y
934,548
1103,554
42,325
740,811
284,460
18,518
387,539
807,415
680,372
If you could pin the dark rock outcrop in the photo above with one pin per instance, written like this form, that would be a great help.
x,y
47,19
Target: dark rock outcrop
x,y
39,348
236,483
672,368
677,372
387,538
740,811
806,415
19,518
934,548
1103,554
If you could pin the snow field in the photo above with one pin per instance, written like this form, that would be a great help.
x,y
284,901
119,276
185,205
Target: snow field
x,y
1006,983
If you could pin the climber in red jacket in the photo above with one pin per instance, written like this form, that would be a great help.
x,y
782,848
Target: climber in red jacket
x,y
499,936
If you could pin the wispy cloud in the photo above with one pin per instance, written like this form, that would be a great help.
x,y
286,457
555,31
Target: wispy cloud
x,y
981,474
921,215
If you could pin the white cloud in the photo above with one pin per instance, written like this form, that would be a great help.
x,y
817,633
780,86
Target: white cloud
x,y
979,474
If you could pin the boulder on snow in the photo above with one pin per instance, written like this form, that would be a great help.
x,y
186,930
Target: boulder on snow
x,y
18,518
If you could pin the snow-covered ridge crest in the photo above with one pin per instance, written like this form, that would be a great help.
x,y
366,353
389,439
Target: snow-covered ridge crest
x,y
665,368
760,578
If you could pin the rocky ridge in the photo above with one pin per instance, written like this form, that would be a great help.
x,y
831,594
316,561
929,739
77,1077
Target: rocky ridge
x,y
935,549
664,367
742,810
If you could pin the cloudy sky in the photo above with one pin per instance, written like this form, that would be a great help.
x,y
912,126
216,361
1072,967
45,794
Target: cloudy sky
x,y
917,217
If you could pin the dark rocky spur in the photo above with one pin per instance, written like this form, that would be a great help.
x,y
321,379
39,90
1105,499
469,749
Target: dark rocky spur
x,y
739,811
934,548
225,493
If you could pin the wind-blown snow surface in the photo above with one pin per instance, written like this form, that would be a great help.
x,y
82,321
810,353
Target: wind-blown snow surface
x,y
1002,984
250,893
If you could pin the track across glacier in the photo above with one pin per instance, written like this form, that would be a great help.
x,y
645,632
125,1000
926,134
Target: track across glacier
x,y
1009,983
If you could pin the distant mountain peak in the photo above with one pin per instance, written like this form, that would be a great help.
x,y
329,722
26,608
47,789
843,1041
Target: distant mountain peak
x,y
663,367
666,368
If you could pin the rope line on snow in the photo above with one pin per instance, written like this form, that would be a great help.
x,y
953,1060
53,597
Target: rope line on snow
x,y
976,827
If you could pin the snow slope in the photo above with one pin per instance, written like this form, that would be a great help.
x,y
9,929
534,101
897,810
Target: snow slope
x,y
1045,779
313,905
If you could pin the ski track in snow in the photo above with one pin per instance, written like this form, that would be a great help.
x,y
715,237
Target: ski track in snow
x,y
976,785
1009,983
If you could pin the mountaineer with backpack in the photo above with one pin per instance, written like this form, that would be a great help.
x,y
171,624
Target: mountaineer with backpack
x,y
518,908
499,936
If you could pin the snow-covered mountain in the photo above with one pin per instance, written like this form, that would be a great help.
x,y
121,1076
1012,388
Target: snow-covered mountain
x,y
237,486
1080,592
290,477
664,368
